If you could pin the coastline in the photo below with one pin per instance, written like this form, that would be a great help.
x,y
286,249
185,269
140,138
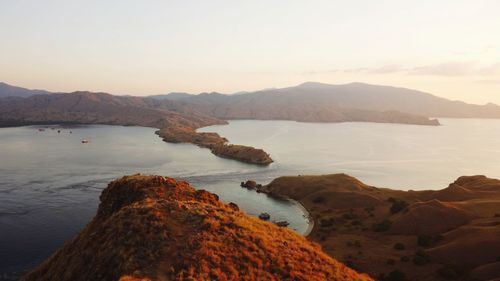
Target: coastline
x,y
311,222
307,216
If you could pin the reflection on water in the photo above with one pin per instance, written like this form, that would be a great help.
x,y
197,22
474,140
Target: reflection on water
x,y
50,182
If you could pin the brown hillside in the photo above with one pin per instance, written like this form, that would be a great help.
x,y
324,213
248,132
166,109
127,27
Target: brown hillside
x,y
156,228
429,218
427,235
336,191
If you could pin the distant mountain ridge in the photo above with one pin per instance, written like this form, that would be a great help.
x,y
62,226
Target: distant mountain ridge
x,y
93,108
311,102
343,99
7,90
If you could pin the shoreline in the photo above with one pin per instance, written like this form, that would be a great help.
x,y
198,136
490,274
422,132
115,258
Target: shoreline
x,y
307,216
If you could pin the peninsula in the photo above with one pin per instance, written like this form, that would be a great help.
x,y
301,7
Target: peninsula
x,y
445,234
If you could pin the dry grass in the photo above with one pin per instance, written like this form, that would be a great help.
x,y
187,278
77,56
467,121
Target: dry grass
x,y
462,222
156,228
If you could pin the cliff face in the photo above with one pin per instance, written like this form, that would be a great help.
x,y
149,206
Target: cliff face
x,y
453,233
156,228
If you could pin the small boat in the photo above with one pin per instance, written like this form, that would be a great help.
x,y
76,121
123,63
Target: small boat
x,y
281,223
264,216
85,141
41,130
58,131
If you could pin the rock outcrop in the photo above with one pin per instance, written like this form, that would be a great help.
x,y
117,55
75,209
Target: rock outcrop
x,y
157,228
217,144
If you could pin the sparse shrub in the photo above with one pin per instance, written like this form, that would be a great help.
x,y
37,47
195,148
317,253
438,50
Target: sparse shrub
x,y
449,272
399,246
369,209
421,258
497,215
395,275
318,199
356,244
356,222
351,264
437,238
424,240
405,259
382,226
326,222
390,262
397,205
349,216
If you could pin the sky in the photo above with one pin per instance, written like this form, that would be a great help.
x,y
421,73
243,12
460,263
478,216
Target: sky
x,y
450,48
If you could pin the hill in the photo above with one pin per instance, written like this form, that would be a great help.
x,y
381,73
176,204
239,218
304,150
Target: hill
x,y
445,234
7,90
92,108
156,228
318,102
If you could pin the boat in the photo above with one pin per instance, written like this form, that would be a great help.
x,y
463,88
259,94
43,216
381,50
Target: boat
x,y
41,130
281,223
264,216
85,141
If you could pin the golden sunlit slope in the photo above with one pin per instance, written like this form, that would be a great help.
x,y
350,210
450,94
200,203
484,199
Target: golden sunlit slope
x,y
157,228
453,233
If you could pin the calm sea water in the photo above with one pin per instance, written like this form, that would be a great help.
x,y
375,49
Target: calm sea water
x,y
386,155
50,182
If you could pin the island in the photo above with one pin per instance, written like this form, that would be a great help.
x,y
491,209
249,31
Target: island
x,y
218,145
445,234
157,228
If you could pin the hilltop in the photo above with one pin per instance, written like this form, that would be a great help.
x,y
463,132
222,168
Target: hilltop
x,y
451,233
157,228
7,90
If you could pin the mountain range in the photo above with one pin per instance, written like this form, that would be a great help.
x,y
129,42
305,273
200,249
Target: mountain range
x,y
330,102
310,102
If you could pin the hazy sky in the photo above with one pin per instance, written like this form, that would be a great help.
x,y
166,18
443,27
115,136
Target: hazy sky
x,y
450,48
